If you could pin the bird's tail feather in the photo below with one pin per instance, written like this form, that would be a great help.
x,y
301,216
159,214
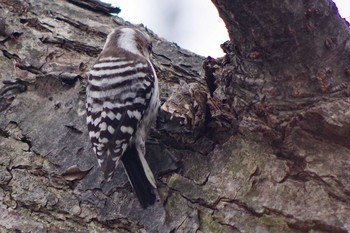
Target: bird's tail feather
x,y
140,176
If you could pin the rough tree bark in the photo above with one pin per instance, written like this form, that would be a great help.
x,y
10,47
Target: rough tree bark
x,y
256,141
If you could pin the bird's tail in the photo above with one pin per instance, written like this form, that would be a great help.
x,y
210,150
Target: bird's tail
x,y
140,176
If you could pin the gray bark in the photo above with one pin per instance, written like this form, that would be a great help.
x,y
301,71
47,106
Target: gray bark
x,y
256,141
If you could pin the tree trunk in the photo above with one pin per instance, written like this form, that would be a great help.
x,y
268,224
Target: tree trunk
x,y
256,141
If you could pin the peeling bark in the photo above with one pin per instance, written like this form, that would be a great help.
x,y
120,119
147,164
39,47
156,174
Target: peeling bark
x,y
255,141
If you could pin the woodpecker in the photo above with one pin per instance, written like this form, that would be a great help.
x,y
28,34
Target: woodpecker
x,y
122,103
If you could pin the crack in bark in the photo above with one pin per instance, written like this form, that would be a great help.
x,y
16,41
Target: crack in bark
x,y
243,206
11,55
178,227
233,227
34,23
21,64
79,25
300,174
329,188
198,201
12,89
71,45
94,6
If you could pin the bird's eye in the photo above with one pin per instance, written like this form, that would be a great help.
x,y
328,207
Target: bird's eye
x,y
150,47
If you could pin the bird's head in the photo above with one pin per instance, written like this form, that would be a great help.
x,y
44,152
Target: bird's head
x,y
131,40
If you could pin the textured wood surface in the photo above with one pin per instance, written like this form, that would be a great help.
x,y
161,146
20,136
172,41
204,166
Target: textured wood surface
x,y
256,141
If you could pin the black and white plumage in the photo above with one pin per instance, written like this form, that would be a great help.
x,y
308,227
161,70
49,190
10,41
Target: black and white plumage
x,y
122,103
